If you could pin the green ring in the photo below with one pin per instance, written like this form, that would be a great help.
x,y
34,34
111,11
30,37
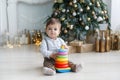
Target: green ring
x,y
62,56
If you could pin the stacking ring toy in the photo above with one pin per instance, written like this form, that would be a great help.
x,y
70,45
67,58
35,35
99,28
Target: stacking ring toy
x,y
61,61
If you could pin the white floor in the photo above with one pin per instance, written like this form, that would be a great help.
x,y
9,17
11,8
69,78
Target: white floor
x,y
24,63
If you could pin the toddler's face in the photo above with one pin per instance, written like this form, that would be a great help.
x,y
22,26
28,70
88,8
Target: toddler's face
x,y
53,30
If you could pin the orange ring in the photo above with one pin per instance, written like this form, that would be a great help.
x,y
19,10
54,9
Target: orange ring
x,y
61,62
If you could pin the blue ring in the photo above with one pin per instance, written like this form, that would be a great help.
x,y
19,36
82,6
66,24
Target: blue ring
x,y
63,71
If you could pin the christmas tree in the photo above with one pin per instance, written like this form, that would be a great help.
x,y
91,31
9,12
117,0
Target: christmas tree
x,y
80,17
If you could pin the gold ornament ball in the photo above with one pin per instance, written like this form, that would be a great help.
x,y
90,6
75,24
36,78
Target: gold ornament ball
x,y
102,12
81,10
55,1
80,19
89,19
71,27
68,25
88,8
95,17
93,12
60,1
93,1
74,1
74,14
105,11
62,19
63,10
70,3
56,13
87,27
82,23
106,17
98,4
75,5
90,3
82,1
65,31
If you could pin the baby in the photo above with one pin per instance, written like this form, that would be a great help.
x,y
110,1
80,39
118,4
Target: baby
x,y
50,45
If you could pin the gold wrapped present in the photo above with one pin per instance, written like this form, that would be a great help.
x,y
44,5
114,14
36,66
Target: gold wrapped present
x,y
119,43
116,43
76,43
72,49
85,48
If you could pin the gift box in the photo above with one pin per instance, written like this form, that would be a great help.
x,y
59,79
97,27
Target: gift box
x,y
85,48
72,49
76,43
119,42
90,39
111,41
116,43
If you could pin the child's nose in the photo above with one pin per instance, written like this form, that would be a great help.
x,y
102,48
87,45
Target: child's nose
x,y
52,29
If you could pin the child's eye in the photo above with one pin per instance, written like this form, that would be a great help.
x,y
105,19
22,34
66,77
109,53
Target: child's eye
x,y
49,29
55,29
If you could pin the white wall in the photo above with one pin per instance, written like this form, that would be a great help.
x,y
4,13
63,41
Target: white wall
x,y
3,20
3,16
27,14
115,14
33,16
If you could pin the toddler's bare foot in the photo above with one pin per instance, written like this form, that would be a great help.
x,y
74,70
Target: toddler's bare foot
x,y
78,67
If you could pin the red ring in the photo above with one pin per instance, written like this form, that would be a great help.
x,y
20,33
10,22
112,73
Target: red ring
x,y
61,66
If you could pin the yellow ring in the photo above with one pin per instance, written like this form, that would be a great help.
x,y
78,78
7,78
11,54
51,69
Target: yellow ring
x,y
62,59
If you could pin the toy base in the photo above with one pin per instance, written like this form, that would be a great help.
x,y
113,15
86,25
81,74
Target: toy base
x,y
63,71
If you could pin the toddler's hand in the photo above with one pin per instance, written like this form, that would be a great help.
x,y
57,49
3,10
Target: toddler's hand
x,y
54,55
64,46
